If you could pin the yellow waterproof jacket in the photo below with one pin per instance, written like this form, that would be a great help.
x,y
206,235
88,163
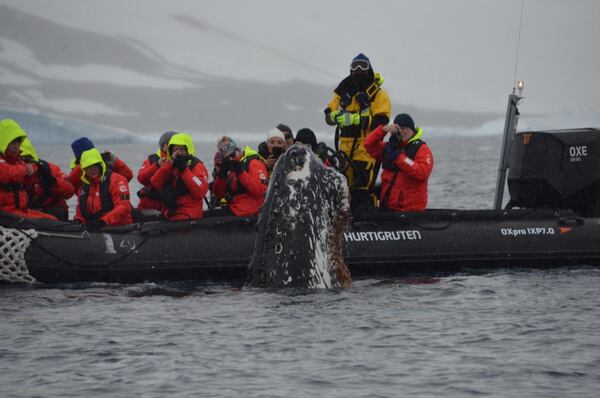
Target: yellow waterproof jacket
x,y
363,173
380,105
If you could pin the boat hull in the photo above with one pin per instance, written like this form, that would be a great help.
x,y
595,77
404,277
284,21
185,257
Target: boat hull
x,y
378,244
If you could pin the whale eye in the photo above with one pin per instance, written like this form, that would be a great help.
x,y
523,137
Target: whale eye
x,y
278,248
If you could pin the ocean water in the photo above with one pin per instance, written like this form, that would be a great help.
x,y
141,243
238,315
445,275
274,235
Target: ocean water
x,y
507,333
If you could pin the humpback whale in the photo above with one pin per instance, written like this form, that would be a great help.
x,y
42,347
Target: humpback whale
x,y
301,225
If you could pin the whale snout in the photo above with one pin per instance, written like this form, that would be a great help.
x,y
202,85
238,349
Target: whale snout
x,y
296,157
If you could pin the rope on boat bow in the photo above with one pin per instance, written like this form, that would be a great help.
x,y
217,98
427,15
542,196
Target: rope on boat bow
x,y
13,244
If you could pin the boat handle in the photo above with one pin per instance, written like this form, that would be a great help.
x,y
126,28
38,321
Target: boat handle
x,y
570,221
365,224
153,231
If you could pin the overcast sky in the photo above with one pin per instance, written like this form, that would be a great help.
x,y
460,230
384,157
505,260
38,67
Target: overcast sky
x,y
448,55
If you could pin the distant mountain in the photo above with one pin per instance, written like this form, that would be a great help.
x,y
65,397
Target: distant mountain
x,y
43,129
52,69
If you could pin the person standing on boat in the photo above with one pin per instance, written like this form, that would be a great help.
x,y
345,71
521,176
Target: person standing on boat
x,y
110,160
103,198
14,173
149,198
359,105
182,180
241,179
48,187
407,164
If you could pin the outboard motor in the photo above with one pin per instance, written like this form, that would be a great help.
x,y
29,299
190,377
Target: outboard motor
x,y
556,168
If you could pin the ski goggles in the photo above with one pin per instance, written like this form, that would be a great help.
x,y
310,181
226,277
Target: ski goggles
x,y
359,65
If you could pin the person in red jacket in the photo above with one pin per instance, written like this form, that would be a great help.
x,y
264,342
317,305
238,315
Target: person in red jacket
x,y
182,181
241,179
112,162
104,196
407,163
150,199
14,172
48,187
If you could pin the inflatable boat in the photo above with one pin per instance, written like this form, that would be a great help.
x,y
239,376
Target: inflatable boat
x,y
218,249
551,219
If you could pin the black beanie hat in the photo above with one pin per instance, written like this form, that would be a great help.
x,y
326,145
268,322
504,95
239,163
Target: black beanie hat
x,y
284,129
165,138
307,137
404,120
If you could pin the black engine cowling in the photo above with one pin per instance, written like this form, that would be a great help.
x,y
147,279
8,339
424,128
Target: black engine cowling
x,y
557,168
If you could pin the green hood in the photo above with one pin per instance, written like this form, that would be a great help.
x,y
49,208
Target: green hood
x,y
9,131
249,152
89,158
182,139
417,136
27,149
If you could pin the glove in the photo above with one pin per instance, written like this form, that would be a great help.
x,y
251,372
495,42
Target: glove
x,y
95,225
235,166
180,162
47,180
332,116
348,119
391,153
395,141
223,170
109,158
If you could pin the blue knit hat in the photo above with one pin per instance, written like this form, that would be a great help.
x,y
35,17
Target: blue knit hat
x,y
81,145
361,56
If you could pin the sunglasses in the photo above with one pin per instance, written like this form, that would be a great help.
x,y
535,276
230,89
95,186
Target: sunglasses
x,y
359,65
287,136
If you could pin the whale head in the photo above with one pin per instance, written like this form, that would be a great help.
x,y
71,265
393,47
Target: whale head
x,y
301,225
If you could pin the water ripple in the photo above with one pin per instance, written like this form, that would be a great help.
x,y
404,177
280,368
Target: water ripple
x,y
527,333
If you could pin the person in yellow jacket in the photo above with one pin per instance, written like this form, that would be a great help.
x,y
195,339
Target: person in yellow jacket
x,y
359,105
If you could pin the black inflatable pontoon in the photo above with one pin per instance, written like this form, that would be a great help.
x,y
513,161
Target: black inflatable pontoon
x,y
378,244
552,219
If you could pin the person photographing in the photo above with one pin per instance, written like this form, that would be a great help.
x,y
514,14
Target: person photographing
x,y
406,161
240,179
182,180
276,145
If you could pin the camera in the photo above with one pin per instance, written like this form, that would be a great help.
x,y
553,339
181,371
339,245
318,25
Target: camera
x,y
276,152
395,141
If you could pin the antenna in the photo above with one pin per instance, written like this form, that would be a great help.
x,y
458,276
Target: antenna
x,y
510,125
518,45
